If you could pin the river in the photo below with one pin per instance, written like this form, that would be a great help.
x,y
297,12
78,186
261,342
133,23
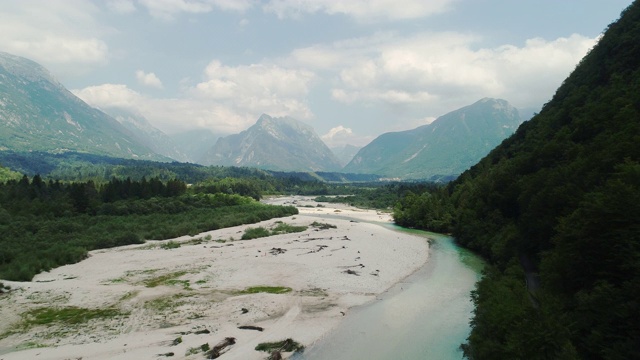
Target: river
x,y
424,317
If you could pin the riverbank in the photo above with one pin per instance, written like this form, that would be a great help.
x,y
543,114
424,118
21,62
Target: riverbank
x,y
167,299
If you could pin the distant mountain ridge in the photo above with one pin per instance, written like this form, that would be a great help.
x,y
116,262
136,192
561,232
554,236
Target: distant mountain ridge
x,y
345,153
37,113
195,143
282,144
149,135
444,148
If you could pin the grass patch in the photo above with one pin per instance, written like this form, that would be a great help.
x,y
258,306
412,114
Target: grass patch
x,y
194,350
30,345
166,279
170,245
280,228
287,345
265,289
163,303
322,226
66,316
284,228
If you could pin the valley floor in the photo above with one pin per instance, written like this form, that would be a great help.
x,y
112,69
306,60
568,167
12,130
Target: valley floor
x,y
160,299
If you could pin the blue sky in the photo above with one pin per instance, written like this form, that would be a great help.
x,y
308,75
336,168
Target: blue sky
x,y
351,69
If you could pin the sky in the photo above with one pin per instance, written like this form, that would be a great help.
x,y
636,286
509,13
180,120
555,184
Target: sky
x,y
351,69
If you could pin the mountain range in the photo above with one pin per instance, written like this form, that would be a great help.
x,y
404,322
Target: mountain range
x,y
446,147
37,113
282,144
150,136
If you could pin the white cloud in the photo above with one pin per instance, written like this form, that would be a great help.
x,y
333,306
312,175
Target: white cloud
x,y
49,33
148,79
258,88
167,9
361,10
121,6
340,136
230,101
442,71
169,115
110,95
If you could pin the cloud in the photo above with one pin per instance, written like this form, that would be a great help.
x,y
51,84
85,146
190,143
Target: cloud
x,y
110,95
228,100
337,136
340,136
168,9
442,71
121,6
149,79
257,88
163,113
49,33
361,10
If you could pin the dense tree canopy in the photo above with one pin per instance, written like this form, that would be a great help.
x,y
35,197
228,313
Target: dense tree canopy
x,y
555,209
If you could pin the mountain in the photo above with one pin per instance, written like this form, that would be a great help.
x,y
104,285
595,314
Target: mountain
x,y
149,135
447,146
195,143
38,114
556,211
345,153
282,144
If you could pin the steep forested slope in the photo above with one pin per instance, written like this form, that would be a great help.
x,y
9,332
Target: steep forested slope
x,y
556,209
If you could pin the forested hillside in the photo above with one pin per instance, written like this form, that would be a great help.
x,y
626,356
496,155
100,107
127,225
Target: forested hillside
x,y
562,198
556,209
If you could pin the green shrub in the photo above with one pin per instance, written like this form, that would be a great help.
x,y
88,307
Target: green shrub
x,y
170,245
254,233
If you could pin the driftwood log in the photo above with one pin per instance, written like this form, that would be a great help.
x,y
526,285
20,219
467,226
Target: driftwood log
x,y
220,348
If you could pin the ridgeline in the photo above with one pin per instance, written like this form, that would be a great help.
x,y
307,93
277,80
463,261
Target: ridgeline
x,y
556,210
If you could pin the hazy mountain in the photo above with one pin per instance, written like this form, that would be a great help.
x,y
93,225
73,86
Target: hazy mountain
x,y
345,153
283,144
195,143
528,113
38,113
446,147
149,135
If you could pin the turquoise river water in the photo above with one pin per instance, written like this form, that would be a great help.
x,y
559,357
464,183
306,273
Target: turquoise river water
x,y
424,317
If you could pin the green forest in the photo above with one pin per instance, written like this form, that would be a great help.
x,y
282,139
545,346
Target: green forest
x,y
555,209
45,224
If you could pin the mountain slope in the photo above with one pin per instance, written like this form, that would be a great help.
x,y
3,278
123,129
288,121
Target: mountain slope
x,y
555,208
38,113
283,144
448,146
345,153
195,143
148,135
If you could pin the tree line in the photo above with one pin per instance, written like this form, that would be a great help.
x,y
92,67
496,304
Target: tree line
x,y
45,224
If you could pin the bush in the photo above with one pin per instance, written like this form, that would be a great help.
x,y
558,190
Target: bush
x,y
254,233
